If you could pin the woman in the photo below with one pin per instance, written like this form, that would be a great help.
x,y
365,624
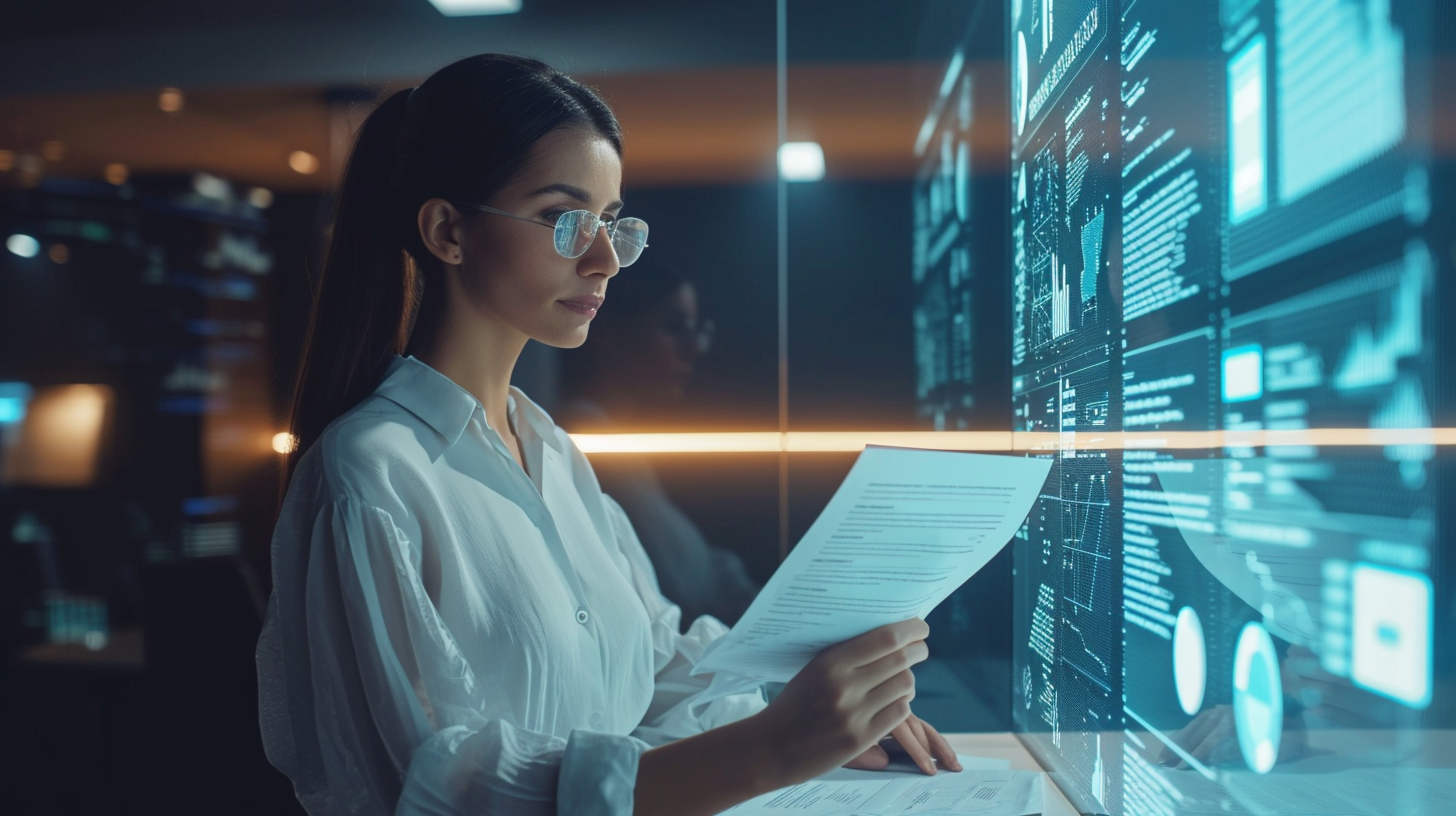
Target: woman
x,y
633,369
461,621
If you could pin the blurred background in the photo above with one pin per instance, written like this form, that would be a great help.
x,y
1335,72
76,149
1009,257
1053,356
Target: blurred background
x,y
166,171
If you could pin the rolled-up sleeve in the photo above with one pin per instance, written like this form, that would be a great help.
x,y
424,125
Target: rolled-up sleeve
x,y
396,710
680,705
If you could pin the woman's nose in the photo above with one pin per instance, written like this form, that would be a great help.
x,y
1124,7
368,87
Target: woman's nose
x,y
600,257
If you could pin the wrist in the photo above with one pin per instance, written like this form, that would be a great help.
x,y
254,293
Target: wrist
x,y
770,764
710,772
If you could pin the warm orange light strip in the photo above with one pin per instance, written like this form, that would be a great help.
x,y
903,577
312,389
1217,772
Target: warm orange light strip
x,y
852,441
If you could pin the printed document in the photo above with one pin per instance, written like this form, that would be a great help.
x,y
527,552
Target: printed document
x,y
904,531
980,792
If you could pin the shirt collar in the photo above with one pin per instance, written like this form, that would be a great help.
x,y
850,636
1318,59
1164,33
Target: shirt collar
x,y
539,421
446,407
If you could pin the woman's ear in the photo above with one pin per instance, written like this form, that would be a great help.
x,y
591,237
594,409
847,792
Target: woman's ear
x,y
441,227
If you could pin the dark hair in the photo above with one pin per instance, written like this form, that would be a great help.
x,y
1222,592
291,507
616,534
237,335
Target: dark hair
x,y
464,133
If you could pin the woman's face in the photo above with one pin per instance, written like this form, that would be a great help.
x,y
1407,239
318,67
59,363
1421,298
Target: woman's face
x,y
510,270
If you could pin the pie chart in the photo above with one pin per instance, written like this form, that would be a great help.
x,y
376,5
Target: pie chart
x,y
1258,698
1190,661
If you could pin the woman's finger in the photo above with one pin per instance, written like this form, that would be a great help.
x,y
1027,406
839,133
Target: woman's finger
x,y
899,686
879,642
939,746
887,719
891,664
919,731
904,734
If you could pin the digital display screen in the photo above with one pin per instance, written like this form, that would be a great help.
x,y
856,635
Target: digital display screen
x,y
1224,269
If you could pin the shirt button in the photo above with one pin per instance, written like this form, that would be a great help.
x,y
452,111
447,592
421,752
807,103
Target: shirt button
x,y
582,617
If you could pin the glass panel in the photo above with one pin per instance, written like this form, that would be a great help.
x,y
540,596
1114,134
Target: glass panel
x,y
1157,234
896,287
699,171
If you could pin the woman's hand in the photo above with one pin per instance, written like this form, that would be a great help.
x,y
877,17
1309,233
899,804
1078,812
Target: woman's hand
x,y
847,698
914,738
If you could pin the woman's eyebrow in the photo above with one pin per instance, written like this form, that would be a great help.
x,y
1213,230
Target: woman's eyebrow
x,y
575,192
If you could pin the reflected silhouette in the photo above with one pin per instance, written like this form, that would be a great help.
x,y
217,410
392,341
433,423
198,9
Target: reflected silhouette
x,y
631,375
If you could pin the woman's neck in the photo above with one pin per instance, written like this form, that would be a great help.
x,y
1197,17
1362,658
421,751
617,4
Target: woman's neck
x,y
478,357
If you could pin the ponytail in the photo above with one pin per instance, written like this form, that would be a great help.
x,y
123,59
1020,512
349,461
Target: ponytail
x,y
368,291
461,135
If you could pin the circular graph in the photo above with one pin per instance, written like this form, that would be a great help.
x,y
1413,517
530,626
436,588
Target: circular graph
x,y
1190,661
1258,698
1018,84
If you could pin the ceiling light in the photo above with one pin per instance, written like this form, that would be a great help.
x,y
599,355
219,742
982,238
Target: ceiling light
x,y
465,8
170,100
801,161
59,253
210,186
23,245
303,162
53,150
285,442
7,160
116,174
260,197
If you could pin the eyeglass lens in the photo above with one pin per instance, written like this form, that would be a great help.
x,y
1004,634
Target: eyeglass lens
x,y
577,229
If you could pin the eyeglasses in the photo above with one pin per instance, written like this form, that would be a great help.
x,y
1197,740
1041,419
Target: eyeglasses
x,y
575,230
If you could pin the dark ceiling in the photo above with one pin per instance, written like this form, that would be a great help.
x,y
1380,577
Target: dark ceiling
x,y
104,45
694,82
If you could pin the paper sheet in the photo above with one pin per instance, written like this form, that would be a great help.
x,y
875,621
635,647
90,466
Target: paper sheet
x,y
979,792
904,531
903,765
814,798
985,793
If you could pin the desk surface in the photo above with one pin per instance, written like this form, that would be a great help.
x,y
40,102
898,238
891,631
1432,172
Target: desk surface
x,y
1004,745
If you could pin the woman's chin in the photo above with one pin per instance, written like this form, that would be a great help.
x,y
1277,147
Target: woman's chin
x,y
566,339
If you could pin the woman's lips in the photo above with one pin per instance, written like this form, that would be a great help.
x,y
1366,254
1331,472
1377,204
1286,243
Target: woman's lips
x,y
584,305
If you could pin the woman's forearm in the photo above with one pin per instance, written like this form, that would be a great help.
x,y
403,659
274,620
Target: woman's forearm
x,y
709,772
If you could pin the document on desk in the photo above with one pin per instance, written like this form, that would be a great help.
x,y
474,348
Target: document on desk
x,y
905,530
983,793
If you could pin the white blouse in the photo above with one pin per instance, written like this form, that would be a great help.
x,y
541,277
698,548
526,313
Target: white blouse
x,y
449,635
